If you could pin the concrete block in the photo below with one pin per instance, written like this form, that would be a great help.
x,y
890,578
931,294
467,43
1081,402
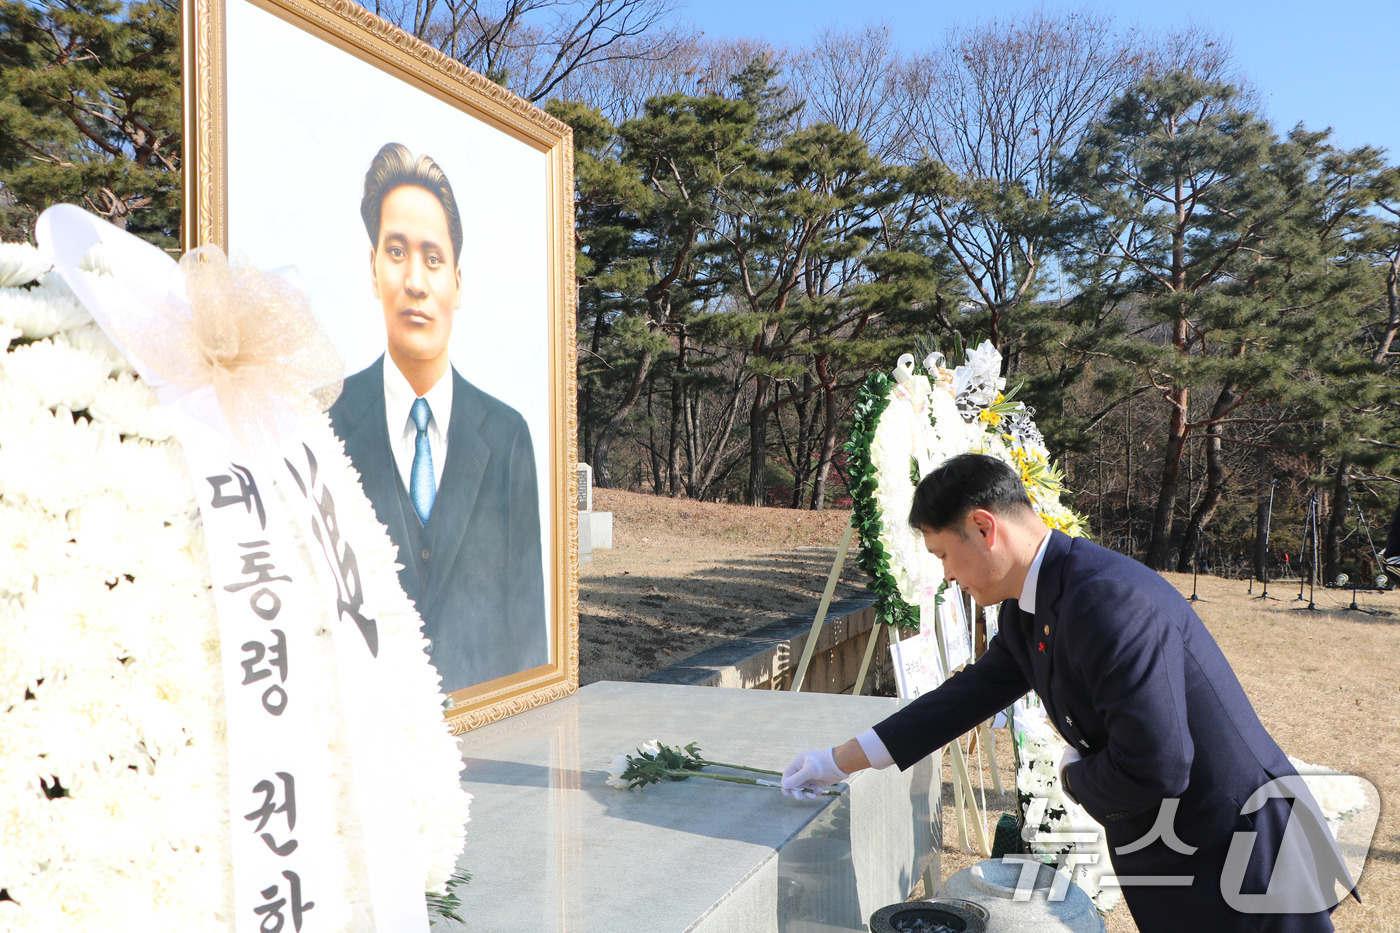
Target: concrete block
x,y
585,538
601,525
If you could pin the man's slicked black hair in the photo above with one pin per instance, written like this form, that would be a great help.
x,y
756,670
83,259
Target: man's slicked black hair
x,y
394,166
961,484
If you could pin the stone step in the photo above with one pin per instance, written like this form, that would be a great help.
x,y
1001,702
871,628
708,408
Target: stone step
x,y
767,658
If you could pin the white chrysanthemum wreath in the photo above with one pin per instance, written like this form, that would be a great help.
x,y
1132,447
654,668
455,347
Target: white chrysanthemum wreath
x,y
906,423
114,799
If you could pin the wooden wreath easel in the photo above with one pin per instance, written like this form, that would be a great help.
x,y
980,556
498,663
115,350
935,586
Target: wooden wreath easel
x,y
964,798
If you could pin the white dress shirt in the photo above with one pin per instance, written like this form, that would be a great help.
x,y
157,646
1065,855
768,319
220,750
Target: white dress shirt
x,y
870,741
403,433
1027,598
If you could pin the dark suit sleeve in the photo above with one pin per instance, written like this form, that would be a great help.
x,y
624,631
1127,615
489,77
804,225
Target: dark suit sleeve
x,y
526,587
967,698
1130,657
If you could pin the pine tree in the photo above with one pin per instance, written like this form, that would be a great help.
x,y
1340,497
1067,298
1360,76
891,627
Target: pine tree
x,y
90,113
1184,227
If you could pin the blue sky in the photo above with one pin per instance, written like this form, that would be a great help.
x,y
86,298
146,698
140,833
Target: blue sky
x,y
1324,64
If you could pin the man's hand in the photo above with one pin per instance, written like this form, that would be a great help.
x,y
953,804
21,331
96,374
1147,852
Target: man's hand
x,y
1067,757
810,772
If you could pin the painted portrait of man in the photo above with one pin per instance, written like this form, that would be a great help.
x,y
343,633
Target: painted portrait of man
x,y
449,469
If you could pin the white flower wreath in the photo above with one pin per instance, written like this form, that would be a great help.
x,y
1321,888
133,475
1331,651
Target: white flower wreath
x,y
906,424
113,760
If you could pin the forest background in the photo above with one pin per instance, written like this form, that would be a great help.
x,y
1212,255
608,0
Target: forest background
x,y
1200,306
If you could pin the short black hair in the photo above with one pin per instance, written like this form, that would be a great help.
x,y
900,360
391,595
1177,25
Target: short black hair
x,y
394,166
963,483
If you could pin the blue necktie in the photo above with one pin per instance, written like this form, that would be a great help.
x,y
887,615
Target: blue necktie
x,y
421,487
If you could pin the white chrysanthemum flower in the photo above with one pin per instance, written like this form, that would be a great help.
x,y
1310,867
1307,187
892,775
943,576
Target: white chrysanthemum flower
x,y
57,372
43,311
91,339
20,264
615,779
34,541
130,405
52,460
98,260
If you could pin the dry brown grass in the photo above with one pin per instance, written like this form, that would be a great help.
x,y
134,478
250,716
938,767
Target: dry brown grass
x,y
683,576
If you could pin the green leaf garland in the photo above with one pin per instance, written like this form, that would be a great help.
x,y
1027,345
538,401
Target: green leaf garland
x,y
890,607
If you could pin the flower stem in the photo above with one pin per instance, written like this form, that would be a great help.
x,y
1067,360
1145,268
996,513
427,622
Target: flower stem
x,y
720,764
732,779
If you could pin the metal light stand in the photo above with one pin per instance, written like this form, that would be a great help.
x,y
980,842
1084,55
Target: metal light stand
x,y
1268,523
1354,607
1195,569
1310,522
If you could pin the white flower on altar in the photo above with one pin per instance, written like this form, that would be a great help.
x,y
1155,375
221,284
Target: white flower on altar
x,y
20,264
615,778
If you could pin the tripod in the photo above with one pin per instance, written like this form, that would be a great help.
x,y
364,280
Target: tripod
x,y
1380,577
1355,608
1195,569
1268,522
1380,563
1309,523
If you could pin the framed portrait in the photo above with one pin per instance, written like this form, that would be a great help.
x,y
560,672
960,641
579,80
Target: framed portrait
x,y
428,215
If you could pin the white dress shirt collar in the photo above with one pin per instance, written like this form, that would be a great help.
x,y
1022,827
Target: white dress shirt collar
x,y
1027,600
403,433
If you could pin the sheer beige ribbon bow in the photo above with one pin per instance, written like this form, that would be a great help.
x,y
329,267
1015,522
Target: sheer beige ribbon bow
x,y
251,336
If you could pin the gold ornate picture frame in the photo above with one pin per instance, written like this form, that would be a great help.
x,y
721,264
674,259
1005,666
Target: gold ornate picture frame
x,y
286,104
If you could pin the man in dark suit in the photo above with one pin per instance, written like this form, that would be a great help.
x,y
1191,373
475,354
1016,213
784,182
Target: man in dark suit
x,y
1165,749
449,470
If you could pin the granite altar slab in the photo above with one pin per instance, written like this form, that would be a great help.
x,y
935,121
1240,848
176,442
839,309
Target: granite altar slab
x,y
551,847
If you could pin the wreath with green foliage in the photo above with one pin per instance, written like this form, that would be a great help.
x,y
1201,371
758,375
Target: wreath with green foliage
x,y
908,421
866,516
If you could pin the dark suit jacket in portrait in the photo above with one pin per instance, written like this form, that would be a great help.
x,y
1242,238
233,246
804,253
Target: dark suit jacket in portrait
x,y
1129,675
475,571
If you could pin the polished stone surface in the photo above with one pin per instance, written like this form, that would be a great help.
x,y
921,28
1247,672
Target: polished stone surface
x,y
551,847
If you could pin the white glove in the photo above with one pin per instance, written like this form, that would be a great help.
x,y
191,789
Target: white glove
x,y
809,772
1067,757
